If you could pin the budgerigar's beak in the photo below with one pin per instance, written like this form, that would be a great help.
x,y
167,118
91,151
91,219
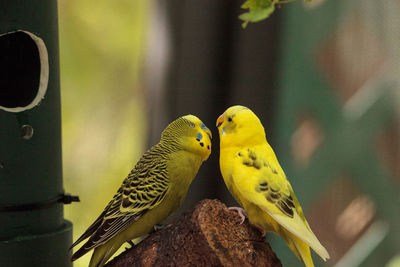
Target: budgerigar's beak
x,y
220,120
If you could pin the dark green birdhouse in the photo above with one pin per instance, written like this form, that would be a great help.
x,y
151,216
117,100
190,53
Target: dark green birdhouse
x,y
33,231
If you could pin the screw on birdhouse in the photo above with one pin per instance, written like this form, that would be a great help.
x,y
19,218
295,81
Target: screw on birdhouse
x,y
26,132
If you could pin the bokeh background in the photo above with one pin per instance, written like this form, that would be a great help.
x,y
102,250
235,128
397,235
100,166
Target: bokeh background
x,y
324,78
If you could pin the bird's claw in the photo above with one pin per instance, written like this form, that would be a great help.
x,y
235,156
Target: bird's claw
x,y
157,227
242,213
262,231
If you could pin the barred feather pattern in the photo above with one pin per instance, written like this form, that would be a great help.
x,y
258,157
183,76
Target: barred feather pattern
x,y
143,189
171,135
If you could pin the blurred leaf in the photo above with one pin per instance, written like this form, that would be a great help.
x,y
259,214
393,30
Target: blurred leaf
x,y
256,15
260,9
257,4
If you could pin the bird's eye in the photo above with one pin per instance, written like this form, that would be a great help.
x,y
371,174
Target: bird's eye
x,y
191,125
229,119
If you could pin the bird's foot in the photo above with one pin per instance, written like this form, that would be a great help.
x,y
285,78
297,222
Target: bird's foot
x,y
157,227
241,212
261,230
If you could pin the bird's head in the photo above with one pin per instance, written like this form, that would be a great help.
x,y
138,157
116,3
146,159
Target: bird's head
x,y
189,133
239,126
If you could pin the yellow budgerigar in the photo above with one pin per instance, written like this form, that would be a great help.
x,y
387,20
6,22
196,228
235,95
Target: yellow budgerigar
x,y
254,177
153,190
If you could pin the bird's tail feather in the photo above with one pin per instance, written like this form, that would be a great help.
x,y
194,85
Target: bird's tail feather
x,y
305,253
298,228
102,253
299,248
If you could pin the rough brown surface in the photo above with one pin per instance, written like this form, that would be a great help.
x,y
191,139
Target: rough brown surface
x,y
210,235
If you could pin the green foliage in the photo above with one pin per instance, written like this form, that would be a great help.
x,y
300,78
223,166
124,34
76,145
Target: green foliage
x,y
260,9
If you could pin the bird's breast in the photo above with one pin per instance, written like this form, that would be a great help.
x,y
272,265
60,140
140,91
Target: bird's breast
x,y
182,169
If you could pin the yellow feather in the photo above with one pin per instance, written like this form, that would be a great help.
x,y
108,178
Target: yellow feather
x,y
256,180
154,189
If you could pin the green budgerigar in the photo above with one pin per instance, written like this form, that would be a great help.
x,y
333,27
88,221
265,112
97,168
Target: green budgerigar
x,y
153,190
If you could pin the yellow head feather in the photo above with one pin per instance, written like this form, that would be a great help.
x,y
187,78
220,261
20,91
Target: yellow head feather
x,y
188,133
239,125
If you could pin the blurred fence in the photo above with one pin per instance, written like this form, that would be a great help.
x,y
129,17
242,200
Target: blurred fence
x,y
337,125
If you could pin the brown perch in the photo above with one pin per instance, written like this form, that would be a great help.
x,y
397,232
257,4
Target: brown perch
x,y
209,235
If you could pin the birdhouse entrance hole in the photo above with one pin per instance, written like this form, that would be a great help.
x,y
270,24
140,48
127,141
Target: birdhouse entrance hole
x,y
24,71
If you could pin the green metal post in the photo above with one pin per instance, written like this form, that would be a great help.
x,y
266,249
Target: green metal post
x,y
33,231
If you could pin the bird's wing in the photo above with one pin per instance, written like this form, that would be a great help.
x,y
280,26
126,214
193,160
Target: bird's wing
x,y
143,189
94,226
259,178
